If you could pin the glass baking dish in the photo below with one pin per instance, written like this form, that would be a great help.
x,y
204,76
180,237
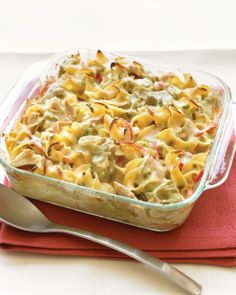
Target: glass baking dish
x,y
150,216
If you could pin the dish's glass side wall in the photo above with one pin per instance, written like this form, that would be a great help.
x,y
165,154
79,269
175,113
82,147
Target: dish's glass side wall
x,y
148,215
224,153
96,203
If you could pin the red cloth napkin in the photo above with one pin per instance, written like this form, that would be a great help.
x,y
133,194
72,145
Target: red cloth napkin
x,y
208,236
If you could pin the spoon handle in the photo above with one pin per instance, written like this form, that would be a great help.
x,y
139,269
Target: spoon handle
x,y
168,270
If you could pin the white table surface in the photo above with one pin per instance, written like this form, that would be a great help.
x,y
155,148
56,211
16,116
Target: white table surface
x,y
48,26
26,274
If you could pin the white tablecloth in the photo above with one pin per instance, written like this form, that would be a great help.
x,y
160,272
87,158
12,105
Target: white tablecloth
x,y
46,25
27,274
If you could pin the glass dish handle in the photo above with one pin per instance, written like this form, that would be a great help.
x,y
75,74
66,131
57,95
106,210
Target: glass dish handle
x,y
223,158
26,86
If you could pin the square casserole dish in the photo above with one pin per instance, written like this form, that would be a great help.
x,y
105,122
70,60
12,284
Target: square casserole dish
x,y
152,216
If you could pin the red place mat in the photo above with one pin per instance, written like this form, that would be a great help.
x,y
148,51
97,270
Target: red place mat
x,y
208,236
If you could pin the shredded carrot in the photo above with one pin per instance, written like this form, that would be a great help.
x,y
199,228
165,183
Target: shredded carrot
x,y
181,165
120,161
99,77
199,176
208,129
46,86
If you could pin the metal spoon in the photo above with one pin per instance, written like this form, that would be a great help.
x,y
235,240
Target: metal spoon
x,y
19,212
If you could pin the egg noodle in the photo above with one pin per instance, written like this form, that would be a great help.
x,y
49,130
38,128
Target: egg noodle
x,y
117,127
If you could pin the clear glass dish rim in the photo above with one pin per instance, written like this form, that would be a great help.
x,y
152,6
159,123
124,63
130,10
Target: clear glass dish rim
x,y
164,207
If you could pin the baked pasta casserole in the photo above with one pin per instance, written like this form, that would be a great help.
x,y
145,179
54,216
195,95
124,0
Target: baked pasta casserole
x,y
115,126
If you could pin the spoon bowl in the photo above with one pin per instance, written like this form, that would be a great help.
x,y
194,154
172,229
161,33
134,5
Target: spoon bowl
x,y
19,212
